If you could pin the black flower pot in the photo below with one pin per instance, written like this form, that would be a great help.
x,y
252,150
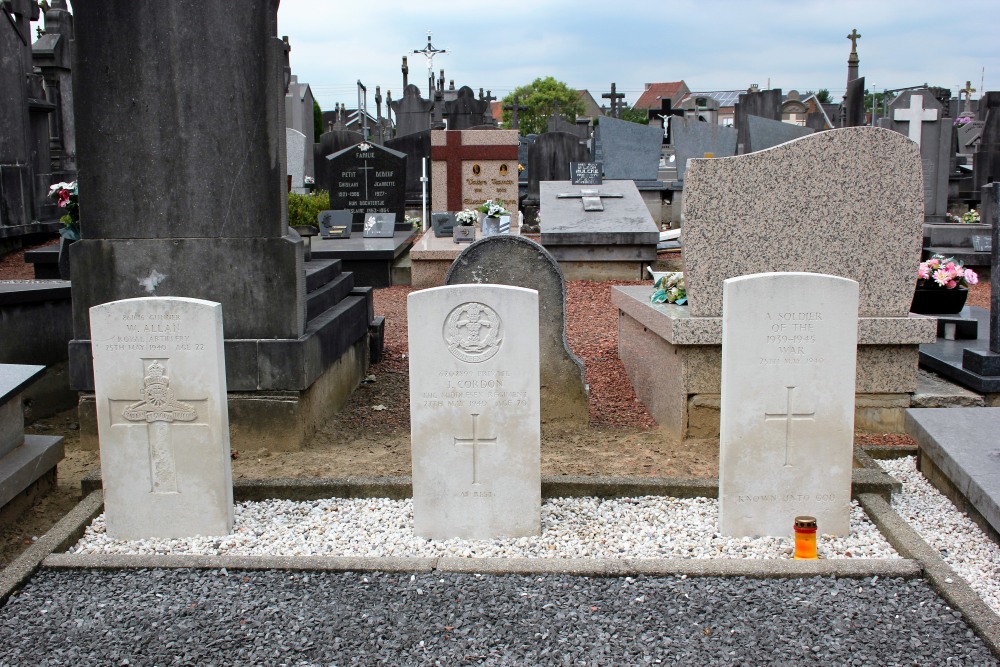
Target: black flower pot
x,y
939,301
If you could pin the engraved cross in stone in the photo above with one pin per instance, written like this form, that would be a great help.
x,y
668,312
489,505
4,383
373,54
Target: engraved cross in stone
x,y
158,409
591,198
366,169
475,441
788,416
916,115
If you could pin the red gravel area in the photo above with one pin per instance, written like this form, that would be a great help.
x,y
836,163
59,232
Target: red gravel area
x,y
13,266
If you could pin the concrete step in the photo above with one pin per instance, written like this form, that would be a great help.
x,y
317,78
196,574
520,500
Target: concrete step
x,y
933,391
319,272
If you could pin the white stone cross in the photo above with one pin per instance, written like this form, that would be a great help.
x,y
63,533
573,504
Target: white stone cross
x,y
915,116
475,441
158,410
789,417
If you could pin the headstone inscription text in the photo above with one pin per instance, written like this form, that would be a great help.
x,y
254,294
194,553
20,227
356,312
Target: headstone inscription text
x,y
160,391
475,411
585,173
789,346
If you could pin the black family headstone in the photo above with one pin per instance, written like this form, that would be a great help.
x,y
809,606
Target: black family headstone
x,y
549,158
368,178
465,111
329,143
416,146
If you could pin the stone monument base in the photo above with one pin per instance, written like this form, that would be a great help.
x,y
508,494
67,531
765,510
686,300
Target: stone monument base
x,y
674,362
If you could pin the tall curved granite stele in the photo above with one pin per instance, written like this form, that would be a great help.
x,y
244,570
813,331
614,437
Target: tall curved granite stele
x,y
517,261
180,126
845,202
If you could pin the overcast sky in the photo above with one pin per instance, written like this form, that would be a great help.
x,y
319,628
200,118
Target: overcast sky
x,y
710,44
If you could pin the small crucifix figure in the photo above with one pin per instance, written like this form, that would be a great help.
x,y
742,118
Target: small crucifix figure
x,y
158,409
616,101
475,441
788,416
591,198
968,90
514,109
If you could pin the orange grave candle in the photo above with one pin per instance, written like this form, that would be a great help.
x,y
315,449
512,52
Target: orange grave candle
x,y
805,538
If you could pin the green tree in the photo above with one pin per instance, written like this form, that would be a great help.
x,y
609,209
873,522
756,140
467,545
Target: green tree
x,y
541,97
635,115
882,102
822,95
317,121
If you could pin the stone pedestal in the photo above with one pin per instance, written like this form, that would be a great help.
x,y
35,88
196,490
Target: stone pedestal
x,y
674,362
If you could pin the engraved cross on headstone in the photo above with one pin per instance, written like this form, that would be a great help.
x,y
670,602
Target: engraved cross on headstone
x,y
365,169
159,410
475,441
591,198
915,115
788,416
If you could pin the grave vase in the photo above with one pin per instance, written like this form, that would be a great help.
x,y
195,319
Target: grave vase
x,y
937,301
491,225
463,234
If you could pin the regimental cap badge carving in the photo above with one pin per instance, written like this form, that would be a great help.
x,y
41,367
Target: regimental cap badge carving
x,y
473,332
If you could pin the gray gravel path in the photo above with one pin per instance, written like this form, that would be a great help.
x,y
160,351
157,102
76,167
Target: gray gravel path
x,y
210,617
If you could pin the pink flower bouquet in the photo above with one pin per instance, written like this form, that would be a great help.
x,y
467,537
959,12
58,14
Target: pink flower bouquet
x,y
940,272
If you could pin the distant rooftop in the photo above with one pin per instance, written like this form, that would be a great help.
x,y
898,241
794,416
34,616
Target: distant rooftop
x,y
725,98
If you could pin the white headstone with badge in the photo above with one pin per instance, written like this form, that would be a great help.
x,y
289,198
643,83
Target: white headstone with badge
x,y
789,344
475,411
163,423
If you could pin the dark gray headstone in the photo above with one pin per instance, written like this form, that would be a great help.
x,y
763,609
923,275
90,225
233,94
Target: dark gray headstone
x,y
969,136
762,103
556,123
416,146
549,158
917,114
523,143
693,138
413,112
854,103
330,143
630,151
442,223
763,133
368,178
465,111
986,166
515,260
336,224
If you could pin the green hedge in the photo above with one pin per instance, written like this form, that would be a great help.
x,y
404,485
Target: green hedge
x,y
304,209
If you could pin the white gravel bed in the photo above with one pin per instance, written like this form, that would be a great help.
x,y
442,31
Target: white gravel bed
x,y
961,543
645,527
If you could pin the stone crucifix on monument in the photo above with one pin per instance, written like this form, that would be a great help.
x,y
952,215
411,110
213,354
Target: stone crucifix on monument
x,y
968,90
591,198
514,109
617,101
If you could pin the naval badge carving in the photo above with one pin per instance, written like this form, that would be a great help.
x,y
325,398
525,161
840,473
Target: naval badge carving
x,y
473,332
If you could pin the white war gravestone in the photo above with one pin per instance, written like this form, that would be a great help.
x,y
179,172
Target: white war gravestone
x,y
474,412
789,344
163,423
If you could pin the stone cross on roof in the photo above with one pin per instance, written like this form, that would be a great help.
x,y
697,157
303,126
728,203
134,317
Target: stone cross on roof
x,y
591,198
915,115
